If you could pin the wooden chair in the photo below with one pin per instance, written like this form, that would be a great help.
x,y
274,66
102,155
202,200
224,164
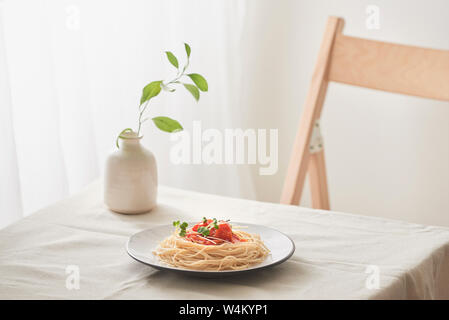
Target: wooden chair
x,y
371,64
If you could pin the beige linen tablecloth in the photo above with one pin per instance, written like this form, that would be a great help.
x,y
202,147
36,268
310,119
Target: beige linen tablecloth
x,y
337,255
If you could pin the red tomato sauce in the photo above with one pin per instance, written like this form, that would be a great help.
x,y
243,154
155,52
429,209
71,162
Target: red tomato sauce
x,y
216,236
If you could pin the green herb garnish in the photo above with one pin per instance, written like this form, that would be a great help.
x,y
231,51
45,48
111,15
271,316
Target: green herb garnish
x,y
204,231
181,226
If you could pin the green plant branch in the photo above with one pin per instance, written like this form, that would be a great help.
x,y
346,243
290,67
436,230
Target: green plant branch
x,y
154,88
166,85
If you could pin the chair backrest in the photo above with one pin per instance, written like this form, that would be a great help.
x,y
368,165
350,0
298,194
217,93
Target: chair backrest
x,y
371,64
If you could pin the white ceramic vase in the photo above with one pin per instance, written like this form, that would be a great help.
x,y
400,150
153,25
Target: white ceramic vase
x,y
130,177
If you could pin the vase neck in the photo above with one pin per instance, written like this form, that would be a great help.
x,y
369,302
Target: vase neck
x,y
130,141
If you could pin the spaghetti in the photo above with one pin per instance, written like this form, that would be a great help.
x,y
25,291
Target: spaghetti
x,y
211,245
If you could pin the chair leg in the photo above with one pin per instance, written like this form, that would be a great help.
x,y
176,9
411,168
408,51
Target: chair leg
x,y
318,181
297,169
301,157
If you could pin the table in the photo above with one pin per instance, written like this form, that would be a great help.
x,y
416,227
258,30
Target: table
x,y
338,255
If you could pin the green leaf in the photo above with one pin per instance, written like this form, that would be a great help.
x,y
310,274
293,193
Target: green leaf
x,y
199,80
171,57
204,231
150,90
193,90
183,227
166,124
119,136
188,50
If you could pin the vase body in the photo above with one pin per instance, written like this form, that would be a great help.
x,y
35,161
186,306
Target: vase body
x,y
130,178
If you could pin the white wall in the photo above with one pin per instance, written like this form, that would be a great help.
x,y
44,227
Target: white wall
x,y
387,155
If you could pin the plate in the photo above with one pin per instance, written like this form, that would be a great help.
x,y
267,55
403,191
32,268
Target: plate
x,y
141,245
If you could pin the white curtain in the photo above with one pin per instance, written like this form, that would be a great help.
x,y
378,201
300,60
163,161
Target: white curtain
x,y
71,74
10,201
